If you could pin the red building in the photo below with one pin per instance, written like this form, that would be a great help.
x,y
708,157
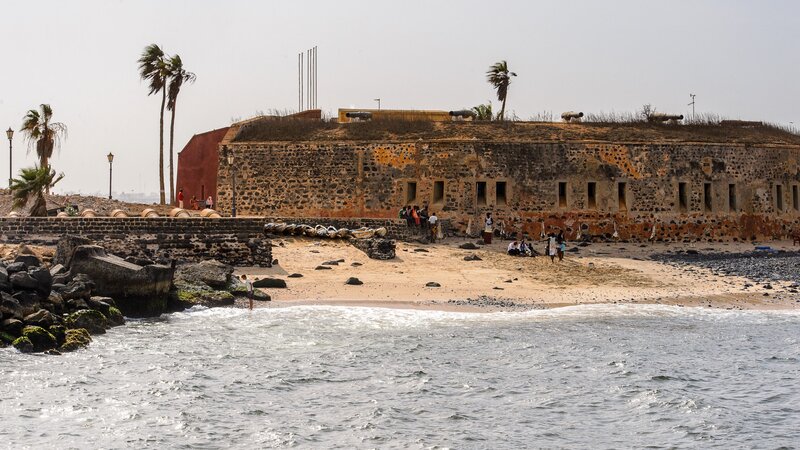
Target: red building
x,y
197,166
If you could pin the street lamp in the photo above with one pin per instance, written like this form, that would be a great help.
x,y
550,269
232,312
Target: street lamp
x,y
379,103
10,134
110,157
230,158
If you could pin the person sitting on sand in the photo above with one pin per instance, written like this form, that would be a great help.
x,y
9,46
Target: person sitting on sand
x,y
513,248
524,249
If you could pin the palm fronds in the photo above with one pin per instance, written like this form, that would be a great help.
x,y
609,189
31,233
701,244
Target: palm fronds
x,y
499,77
32,183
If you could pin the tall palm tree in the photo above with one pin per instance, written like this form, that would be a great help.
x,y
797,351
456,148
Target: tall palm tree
x,y
154,68
33,182
40,131
500,78
177,76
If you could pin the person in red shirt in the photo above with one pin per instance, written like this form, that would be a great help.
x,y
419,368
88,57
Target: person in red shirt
x,y
180,198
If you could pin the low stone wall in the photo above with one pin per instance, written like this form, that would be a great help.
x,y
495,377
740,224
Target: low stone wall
x,y
237,241
396,228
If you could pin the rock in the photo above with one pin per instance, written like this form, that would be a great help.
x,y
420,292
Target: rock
x,y
41,339
58,332
3,275
28,260
356,264
29,302
16,267
239,289
189,294
468,246
295,275
13,326
472,257
99,304
139,261
421,250
42,318
330,263
692,252
584,244
75,339
93,321
57,269
75,289
115,317
23,280
322,268
10,307
270,283
7,338
23,344
432,284
137,290
65,248
43,279
77,304
376,248
353,281
213,273
274,262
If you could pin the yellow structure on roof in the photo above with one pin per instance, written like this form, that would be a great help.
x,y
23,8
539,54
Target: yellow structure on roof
x,y
396,114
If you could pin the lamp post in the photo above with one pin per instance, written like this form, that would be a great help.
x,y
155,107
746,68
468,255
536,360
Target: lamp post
x,y
379,103
233,181
10,134
110,157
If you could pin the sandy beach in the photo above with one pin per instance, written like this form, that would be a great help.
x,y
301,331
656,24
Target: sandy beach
x,y
597,273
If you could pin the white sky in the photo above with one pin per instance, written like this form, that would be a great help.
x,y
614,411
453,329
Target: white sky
x,y
741,58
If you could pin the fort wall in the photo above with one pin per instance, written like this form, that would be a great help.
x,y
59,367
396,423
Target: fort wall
x,y
640,191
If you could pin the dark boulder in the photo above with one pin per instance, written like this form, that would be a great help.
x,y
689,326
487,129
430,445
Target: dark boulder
x,y
376,248
93,321
468,246
58,332
270,283
13,326
42,318
28,260
75,289
353,281
186,295
16,267
10,307
41,339
115,317
23,280
295,275
65,248
213,273
57,269
99,304
330,263
432,284
29,302
43,279
75,339
23,344
322,268
472,257
77,304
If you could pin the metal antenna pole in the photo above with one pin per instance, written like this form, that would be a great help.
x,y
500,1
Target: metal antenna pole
x,y
692,105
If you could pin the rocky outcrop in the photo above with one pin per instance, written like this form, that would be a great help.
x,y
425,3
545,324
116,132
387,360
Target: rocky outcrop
x,y
138,291
93,321
75,339
212,273
376,248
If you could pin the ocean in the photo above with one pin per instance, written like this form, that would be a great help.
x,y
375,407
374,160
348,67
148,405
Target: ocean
x,y
604,376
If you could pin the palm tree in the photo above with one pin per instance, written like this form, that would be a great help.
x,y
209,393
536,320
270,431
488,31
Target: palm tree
x,y
177,76
499,77
483,112
154,68
39,130
33,182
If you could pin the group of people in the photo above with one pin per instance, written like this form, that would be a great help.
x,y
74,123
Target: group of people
x,y
556,246
194,203
419,217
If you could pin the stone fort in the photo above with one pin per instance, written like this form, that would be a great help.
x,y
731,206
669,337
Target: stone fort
x,y
636,181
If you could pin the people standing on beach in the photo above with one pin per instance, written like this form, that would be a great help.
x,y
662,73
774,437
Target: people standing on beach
x,y
423,218
434,226
488,229
402,214
415,215
249,285
180,198
562,245
552,247
409,217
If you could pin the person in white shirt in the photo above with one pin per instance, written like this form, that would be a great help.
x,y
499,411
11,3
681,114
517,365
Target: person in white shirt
x,y
433,221
513,248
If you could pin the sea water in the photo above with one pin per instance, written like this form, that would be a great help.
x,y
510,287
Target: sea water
x,y
604,376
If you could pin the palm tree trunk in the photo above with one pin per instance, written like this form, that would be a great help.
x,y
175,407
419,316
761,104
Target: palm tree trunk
x,y
171,141
503,111
161,148
39,208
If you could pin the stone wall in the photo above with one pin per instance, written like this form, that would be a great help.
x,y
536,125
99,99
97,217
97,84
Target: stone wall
x,y
682,191
238,242
396,229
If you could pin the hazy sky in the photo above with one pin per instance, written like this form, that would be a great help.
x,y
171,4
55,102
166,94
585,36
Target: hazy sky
x,y
741,58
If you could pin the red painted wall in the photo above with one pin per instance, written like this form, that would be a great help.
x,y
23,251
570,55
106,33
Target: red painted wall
x,y
197,166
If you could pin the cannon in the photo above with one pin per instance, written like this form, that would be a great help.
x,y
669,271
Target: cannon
x,y
179,213
664,117
88,213
462,114
359,115
209,213
118,213
149,212
571,116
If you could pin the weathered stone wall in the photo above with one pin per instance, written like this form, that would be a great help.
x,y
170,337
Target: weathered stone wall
x,y
396,229
232,241
637,186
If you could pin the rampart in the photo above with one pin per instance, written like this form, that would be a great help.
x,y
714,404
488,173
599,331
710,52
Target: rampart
x,y
233,241
666,190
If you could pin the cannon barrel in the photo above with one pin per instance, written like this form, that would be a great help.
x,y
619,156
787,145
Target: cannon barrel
x,y
462,113
664,117
359,115
569,115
